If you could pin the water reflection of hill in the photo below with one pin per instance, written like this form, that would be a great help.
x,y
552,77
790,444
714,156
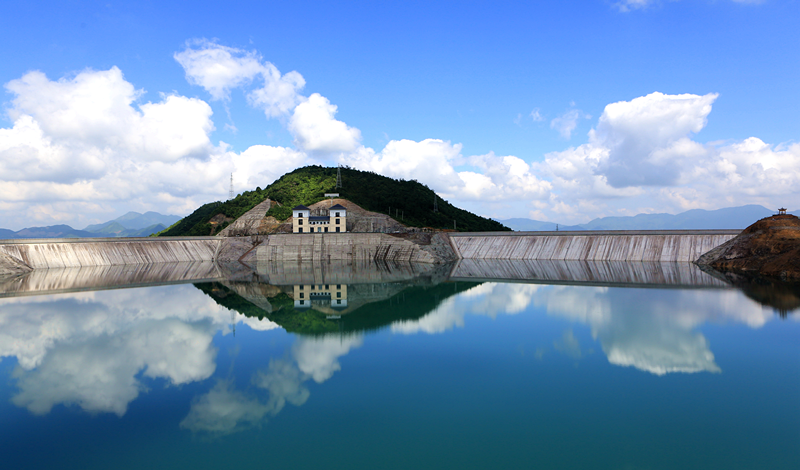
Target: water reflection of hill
x,y
783,296
372,306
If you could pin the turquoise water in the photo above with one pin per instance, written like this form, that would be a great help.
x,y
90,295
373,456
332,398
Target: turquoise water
x,y
408,375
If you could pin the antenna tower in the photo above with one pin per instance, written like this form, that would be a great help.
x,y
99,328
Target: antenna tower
x,y
435,204
339,177
230,194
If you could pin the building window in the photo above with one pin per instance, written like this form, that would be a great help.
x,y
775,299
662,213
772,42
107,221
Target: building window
x,y
337,229
300,221
338,302
302,287
326,229
302,295
337,215
302,302
300,230
319,229
339,294
337,221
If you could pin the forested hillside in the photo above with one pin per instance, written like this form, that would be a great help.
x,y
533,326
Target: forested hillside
x,y
411,202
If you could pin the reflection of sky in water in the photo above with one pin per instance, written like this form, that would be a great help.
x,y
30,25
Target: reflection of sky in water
x,y
650,329
103,352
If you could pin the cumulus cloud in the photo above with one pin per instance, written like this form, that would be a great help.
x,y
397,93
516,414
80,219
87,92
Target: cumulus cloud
x,y
84,145
648,137
642,154
220,69
89,146
316,131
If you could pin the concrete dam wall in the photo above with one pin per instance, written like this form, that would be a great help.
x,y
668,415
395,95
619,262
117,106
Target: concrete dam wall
x,y
649,245
318,247
585,273
74,253
19,256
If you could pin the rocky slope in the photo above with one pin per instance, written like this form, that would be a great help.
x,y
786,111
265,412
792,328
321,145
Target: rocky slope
x,y
769,247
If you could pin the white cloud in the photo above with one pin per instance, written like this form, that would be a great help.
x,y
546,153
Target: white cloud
x,y
85,148
629,5
567,122
648,137
316,131
430,162
220,69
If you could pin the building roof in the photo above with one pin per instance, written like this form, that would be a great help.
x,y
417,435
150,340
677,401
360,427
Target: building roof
x,y
301,208
338,207
319,218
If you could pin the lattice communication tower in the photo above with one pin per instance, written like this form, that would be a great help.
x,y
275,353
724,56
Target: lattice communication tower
x,y
435,204
230,194
339,177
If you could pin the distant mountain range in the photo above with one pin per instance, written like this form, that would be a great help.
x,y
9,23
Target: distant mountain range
x,y
132,224
695,219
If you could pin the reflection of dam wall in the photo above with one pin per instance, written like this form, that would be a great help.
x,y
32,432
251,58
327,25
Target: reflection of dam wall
x,y
651,245
611,273
341,246
58,280
69,253
345,272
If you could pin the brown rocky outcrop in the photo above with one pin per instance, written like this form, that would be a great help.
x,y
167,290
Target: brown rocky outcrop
x,y
769,247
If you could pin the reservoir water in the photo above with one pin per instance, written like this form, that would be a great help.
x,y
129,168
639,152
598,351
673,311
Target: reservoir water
x,y
493,365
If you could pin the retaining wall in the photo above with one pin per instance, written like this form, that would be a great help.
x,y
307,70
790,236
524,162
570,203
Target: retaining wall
x,y
71,253
602,273
650,245
324,247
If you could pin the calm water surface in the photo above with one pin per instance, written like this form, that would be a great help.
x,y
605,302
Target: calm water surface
x,y
413,374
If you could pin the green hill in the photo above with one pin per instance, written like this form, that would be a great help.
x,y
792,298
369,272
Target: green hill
x,y
369,190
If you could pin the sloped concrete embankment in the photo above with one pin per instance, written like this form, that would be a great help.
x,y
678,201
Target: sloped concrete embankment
x,y
60,280
603,273
44,254
662,246
342,246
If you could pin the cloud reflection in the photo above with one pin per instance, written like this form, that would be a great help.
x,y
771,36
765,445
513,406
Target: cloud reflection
x,y
649,329
87,349
224,410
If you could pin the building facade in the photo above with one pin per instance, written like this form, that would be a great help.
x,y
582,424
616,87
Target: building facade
x,y
333,295
304,222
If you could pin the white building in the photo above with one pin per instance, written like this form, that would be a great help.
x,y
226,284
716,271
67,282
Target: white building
x,y
304,222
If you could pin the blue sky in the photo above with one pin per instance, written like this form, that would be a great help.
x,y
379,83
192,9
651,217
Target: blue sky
x,y
506,110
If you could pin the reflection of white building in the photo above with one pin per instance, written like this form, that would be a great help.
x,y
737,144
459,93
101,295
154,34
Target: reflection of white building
x,y
304,222
333,295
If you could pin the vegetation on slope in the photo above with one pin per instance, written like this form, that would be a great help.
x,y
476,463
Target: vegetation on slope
x,y
411,202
